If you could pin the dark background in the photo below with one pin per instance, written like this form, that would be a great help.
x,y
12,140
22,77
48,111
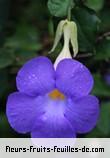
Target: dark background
x,y
27,30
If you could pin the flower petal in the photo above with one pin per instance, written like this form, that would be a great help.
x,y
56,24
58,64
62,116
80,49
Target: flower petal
x,y
47,131
73,78
22,111
36,76
53,123
83,113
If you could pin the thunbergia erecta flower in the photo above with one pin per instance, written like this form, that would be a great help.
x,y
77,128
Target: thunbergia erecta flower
x,y
53,103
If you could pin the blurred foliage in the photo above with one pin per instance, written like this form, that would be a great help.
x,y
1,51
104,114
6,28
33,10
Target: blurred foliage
x,y
87,22
104,119
27,30
96,5
57,8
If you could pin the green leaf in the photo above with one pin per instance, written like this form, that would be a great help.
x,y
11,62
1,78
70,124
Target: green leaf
x,y
6,58
95,133
100,87
6,130
104,121
4,83
103,50
105,20
87,24
23,56
25,38
33,10
4,12
94,4
58,8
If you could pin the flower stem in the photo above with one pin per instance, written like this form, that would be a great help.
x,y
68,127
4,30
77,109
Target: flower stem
x,y
69,10
69,14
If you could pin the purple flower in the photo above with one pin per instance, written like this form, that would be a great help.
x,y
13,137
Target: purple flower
x,y
53,103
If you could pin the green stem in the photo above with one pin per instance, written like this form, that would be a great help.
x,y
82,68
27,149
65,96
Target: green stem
x,y
69,13
69,10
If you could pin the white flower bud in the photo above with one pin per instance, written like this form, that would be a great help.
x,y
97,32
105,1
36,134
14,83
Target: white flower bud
x,y
65,53
69,30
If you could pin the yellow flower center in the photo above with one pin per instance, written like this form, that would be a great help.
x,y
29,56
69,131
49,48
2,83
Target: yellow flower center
x,y
55,94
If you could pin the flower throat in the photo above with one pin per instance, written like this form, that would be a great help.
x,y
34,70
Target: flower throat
x,y
56,94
